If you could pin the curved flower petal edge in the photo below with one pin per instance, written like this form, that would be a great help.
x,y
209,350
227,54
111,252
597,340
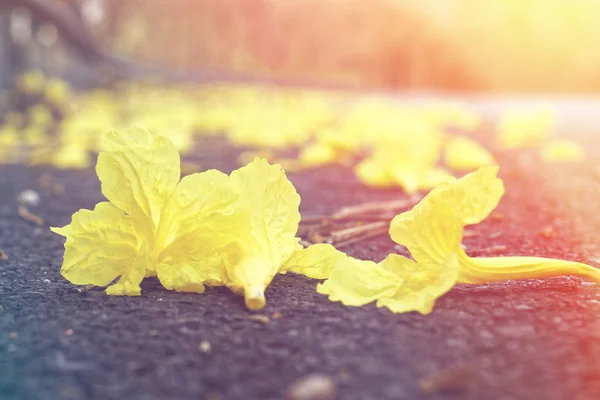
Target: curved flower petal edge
x,y
432,232
153,223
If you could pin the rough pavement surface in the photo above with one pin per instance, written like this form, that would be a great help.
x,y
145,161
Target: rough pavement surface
x,y
504,341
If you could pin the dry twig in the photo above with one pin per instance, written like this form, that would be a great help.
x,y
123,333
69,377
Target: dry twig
x,y
352,224
26,215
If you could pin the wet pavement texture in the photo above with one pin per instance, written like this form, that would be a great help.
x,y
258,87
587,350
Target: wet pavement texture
x,y
504,341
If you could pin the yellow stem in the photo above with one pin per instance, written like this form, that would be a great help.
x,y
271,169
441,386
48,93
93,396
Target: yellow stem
x,y
255,298
494,269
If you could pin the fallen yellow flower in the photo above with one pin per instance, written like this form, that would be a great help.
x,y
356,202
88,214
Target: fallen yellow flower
x,y
471,199
521,129
562,150
269,245
153,223
432,232
406,161
207,229
463,154
272,202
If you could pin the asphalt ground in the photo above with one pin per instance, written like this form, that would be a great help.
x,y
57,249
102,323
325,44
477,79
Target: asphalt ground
x,y
537,339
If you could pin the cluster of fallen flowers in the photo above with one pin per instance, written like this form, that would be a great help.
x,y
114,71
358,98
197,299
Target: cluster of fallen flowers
x,y
240,231
387,143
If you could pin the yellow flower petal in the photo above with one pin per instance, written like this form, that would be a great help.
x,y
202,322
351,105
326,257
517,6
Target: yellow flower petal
x,y
138,171
429,232
273,204
473,197
101,246
357,282
316,261
198,220
191,271
422,284
129,283
463,153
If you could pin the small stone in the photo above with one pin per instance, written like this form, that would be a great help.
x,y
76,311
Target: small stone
x,y
3,256
276,315
153,332
312,387
205,346
29,198
69,332
12,335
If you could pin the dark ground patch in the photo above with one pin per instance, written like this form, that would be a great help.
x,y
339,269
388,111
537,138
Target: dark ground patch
x,y
525,340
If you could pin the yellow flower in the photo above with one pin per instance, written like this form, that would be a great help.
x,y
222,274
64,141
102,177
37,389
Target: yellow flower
x,y
70,156
471,199
432,232
562,150
31,82
406,152
462,153
519,129
318,153
272,201
40,116
411,166
57,92
153,223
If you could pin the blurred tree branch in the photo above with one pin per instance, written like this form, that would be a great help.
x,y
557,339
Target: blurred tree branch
x,y
66,16
71,29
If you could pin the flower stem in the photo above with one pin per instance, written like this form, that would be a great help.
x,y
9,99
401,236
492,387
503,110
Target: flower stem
x,y
255,298
494,269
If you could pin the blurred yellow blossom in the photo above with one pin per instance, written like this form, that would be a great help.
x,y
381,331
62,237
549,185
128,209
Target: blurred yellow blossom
x,y
463,154
152,223
525,128
562,150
